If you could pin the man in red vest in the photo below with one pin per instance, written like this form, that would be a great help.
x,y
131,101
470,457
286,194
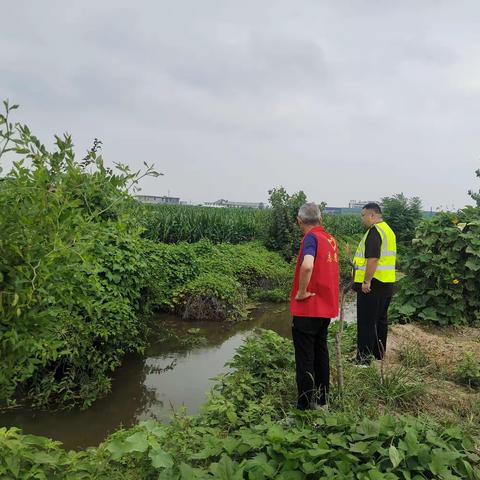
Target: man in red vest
x,y
313,302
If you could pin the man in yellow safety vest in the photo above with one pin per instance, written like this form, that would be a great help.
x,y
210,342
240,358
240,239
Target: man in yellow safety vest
x,y
374,280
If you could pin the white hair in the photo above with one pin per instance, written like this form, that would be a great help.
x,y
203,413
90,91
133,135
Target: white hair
x,y
310,214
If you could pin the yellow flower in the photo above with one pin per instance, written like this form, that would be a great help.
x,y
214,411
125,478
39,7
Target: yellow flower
x,y
456,281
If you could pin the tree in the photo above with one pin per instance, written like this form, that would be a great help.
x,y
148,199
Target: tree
x,y
476,195
403,215
284,234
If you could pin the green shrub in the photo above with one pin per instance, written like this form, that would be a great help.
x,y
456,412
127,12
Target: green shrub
x,y
202,278
212,296
443,280
72,272
256,268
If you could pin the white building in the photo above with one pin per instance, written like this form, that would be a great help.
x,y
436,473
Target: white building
x,y
160,200
228,204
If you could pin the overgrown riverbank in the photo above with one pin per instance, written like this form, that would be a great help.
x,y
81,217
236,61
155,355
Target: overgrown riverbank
x,y
248,429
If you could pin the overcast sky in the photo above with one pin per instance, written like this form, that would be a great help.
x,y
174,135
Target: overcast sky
x,y
344,100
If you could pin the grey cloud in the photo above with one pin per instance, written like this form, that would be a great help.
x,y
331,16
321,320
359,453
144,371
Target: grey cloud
x,y
231,98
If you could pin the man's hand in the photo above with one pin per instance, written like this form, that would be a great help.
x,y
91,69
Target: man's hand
x,y
366,287
303,295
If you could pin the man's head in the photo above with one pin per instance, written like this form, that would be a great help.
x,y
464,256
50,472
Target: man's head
x,y
309,216
371,214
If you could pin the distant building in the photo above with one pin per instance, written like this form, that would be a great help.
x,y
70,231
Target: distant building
x,y
361,203
228,204
334,210
160,200
355,207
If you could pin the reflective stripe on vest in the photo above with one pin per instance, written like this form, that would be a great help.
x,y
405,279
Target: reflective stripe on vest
x,y
385,271
379,267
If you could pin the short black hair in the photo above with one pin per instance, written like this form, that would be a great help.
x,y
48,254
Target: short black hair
x,y
374,207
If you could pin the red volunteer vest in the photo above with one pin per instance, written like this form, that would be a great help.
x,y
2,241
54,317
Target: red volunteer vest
x,y
324,281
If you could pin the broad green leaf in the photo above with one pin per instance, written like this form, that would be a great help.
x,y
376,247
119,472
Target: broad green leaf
x,y
137,442
187,472
375,474
395,456
275,434
13,464
359,447
232,416
117,448
318,452
160,459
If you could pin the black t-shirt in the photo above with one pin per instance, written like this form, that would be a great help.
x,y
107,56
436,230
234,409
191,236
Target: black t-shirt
x,y
373,246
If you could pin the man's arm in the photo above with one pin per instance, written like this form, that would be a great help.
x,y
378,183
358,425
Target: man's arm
x,y
306,270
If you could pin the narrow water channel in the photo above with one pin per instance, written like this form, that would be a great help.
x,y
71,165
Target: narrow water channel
x,y
173,373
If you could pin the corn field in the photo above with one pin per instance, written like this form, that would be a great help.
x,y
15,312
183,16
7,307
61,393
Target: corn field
x,y
343,226
177,223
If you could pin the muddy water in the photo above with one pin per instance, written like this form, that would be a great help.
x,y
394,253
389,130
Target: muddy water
x,y
174,373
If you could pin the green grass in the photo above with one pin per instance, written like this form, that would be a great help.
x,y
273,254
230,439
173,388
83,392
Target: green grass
x,y
413,356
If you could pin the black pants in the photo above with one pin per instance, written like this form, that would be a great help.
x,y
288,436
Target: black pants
x,y
372,325
311,358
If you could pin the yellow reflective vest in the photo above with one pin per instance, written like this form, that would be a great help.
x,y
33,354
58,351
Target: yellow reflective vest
x,y
385,271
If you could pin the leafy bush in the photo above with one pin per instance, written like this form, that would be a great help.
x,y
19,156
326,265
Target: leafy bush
x,y
72,271
443,280
212,296
201,279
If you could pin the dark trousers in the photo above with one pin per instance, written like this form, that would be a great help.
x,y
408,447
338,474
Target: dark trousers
x,y
372,325
311,358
